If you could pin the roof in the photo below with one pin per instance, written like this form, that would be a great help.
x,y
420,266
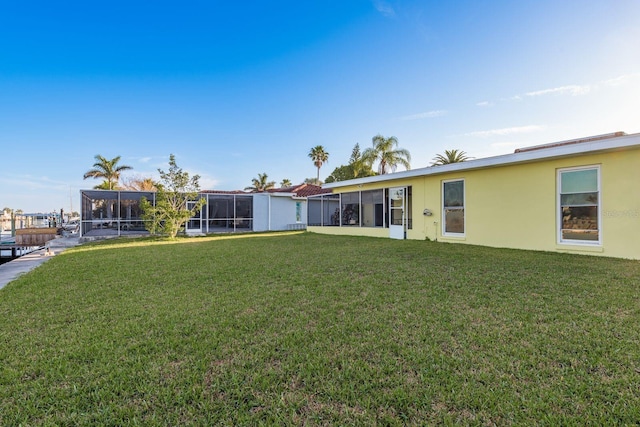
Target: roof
x,y
302,190
590,145
571,141
222,192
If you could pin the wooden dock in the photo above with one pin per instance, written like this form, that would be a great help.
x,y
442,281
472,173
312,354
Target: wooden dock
x,y
35,236
16,251
25,241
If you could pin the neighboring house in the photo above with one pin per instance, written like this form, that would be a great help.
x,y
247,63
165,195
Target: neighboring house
x,y
116,213
578,196
28,220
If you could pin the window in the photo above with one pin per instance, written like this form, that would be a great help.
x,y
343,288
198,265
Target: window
x,y
350,208
220,213
579,205
323,210
453,207
243,217
195,222
298,212
373,208
226,213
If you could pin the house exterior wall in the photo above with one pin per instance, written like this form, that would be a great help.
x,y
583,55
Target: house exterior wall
x,y
277,213
284,213
516,205
260,212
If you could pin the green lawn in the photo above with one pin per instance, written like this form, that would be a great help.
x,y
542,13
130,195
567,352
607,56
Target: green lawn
x,y
297,328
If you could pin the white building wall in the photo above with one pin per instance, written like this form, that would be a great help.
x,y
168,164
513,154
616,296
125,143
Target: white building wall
x,y
260,212
286,213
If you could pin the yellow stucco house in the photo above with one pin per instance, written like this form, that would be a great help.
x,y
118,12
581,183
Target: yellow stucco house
x,y
579,196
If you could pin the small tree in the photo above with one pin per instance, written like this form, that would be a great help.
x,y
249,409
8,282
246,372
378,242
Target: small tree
x,y
312,181
174,192
341,173
358,167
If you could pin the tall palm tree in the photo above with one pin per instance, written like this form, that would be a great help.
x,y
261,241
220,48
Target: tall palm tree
x,y
450,156
319,157
384,152
109,170
260,183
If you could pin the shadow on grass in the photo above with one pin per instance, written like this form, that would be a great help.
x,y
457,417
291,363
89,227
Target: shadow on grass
x,y
128,242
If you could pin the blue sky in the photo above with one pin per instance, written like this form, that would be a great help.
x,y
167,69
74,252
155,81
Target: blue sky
x,y
234,89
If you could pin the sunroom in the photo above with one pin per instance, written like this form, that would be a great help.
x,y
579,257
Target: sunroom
x,y
118,212
382,208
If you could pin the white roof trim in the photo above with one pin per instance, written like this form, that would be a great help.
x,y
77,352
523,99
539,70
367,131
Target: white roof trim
x,y
587,147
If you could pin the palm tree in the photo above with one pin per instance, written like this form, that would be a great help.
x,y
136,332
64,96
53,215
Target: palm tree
x,y
104,185
389,158
260,183
140,184
450,156
319,157
108,170
285,183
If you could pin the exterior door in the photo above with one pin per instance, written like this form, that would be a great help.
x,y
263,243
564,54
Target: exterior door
x,y
397,197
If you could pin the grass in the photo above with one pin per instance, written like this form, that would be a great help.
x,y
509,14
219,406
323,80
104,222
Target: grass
x,y
304,329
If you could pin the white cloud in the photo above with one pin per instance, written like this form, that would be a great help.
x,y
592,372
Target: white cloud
x,y
425,115
384,8
621,80
144,160
33,182
576,90
208,183
573,90
506,131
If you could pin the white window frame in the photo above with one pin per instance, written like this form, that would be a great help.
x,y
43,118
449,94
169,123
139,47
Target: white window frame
x,y
464,209
560,240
